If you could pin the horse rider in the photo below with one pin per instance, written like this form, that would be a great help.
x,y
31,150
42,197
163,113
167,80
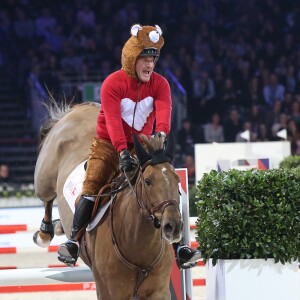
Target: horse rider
x,y
133,99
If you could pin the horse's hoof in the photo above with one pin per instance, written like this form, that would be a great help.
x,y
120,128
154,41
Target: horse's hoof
x,y
42,239
58,229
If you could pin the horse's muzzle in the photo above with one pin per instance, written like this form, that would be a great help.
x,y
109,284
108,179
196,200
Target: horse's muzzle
x,y
172,227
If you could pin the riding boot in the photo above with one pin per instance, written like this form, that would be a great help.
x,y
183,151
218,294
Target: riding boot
x,y
186,257
68,252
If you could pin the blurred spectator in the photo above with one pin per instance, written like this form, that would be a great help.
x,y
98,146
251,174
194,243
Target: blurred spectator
x,y
287,103
204,96
189,163
229,96
128,13
253,94
187,136
78,39
24,26
213,131
232,126
56,39
281,68
255,117
263,134
293,135
5,178
218,78
247,126
71,63
289,80
50,75
295,112
273,90
45,23
270,55
279,125
272,116
85,17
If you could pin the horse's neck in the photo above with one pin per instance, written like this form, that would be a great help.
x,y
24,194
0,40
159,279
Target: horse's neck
x,y
133,230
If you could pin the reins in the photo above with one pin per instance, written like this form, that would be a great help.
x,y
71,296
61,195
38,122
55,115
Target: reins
x,y
124,185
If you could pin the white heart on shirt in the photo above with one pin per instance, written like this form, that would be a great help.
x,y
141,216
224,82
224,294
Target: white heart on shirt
x,y
143,110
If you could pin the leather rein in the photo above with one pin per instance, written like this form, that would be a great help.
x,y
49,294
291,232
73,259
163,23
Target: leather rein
x,y
142,272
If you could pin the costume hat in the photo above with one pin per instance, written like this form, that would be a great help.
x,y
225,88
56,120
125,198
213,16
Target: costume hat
x,y
144,41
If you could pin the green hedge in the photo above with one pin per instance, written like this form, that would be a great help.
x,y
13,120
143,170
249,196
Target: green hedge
x,y
249,214
16,191
290,162
192,200
16,194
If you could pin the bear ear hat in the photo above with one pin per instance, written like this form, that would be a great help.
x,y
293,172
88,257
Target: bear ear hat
x,y
144,41
135,29
158,29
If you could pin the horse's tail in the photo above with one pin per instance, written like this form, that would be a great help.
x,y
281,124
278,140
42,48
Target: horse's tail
x,y
56,111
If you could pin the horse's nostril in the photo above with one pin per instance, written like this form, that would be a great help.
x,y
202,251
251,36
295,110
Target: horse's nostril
x,y
168,228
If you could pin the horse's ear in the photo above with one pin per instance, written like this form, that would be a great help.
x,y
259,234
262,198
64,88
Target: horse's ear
x,y
170,147
142,155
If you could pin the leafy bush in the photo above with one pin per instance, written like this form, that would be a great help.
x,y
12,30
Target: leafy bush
x,y
192,200
290,162
24,190
249,214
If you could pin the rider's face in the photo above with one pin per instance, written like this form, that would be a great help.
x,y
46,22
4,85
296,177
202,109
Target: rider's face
x,y
144,68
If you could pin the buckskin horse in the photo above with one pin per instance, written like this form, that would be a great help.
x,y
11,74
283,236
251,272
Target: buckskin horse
x,y
130,252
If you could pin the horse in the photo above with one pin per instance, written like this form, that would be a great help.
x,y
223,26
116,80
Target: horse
x,y
129,252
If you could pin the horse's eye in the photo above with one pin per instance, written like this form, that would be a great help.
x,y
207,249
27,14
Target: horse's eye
x,y
148,181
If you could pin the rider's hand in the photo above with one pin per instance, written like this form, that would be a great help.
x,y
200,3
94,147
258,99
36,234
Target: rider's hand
x,y
160,134
127,162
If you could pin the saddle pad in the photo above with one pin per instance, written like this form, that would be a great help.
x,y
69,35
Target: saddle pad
x,y
73,187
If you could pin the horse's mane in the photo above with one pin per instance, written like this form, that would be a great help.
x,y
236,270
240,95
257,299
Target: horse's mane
x,y
56,111
152,143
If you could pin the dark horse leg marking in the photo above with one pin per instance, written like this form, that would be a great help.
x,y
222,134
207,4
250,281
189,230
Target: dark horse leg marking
x,y
44,236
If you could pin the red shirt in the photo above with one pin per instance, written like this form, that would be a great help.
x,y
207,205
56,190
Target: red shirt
x,y
129,106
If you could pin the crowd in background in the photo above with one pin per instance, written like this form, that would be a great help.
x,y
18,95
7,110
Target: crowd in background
x,y
239,61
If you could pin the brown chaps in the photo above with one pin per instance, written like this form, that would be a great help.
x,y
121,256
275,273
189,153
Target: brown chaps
x,y
102,166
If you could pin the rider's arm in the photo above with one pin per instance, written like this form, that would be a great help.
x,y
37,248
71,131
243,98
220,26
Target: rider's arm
x,y
163,106
110,103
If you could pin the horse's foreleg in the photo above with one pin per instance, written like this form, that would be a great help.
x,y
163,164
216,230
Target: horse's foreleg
x,y
44,236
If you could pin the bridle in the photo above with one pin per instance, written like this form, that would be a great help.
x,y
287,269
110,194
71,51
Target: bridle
x,y
151,210
144,204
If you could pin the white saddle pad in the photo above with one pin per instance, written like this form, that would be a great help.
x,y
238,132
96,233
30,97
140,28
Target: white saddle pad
x,y
73,187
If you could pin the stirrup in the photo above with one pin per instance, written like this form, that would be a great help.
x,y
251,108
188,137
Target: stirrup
x,y
191,257
68,253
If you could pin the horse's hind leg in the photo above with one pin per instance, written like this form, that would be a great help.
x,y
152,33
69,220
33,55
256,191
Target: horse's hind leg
x,y
44,236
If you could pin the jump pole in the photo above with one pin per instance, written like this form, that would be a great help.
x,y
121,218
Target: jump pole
x,y
46,279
